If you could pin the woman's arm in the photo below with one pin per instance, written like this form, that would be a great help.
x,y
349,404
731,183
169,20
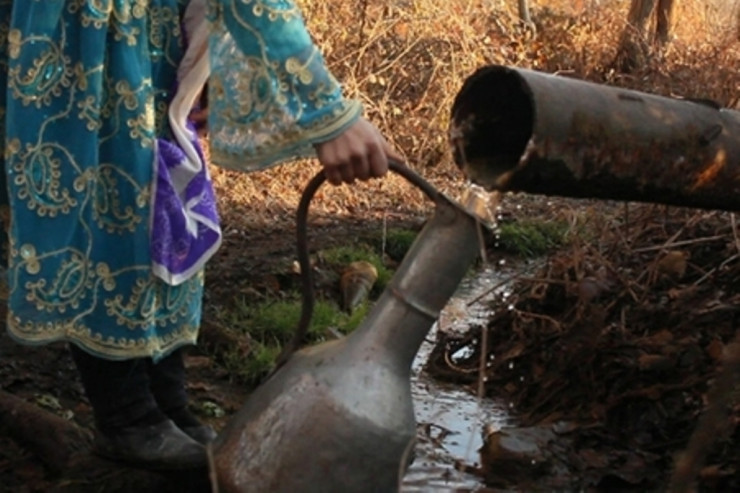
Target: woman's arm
x,y
272,97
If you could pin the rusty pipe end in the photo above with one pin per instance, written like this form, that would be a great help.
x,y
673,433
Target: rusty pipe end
x,y
492,123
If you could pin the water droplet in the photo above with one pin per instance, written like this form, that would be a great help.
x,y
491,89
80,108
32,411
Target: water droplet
x,y
511,365
502,262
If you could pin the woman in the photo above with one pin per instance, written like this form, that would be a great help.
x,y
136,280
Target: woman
x,y
110,213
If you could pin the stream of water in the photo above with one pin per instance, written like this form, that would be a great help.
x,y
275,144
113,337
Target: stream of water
x,y
451,419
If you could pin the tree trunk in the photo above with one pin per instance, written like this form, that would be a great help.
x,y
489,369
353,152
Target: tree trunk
x,y
54,440
663,23
639,14
526,18
633,46
524,14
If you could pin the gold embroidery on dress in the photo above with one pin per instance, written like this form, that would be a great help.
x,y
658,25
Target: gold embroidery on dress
x,y
90,111
164,30
300,69
31,260
36,174
151,300
109,211
287,101
73,280
114,348
142,127
273,13
50,70
104,274
68,283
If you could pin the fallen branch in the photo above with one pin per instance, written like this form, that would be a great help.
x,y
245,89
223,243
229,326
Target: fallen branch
x,y
712,425
54,440
65,449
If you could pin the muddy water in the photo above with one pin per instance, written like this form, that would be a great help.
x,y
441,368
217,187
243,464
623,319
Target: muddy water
x,y
450,419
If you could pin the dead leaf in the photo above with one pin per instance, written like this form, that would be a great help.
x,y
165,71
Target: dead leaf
x,y
192,362
673,264
654,362
658,339
714,471
715,349
682,293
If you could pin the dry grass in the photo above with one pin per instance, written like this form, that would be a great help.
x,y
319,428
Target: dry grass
x,y
407,59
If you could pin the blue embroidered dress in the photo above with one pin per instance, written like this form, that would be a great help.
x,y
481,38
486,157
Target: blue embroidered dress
x,y
106,199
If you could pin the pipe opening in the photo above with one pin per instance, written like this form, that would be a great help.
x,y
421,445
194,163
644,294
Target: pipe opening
x,y
492,119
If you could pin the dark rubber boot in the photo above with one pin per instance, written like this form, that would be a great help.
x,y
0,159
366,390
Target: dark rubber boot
x,y
167,382
157,446
130,426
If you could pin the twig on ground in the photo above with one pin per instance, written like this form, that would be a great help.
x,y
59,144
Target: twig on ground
x,y
712,424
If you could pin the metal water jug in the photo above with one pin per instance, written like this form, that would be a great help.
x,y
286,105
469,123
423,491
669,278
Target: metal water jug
x,y
339,416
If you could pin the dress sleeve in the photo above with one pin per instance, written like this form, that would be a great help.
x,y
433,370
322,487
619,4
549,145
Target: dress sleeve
x,y
270,95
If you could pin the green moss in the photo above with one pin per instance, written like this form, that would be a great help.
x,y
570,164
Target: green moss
x,y
398,242
271,324
532,238
254,367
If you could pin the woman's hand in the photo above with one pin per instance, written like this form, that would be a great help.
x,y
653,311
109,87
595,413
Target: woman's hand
x,y
360,153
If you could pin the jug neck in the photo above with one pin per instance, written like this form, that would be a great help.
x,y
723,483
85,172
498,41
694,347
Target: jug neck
x,y
431,271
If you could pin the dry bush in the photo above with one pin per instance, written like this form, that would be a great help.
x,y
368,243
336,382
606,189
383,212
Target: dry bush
x,y
407,59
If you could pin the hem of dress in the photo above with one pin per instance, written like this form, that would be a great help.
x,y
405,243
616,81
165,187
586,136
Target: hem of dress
x,y
122,355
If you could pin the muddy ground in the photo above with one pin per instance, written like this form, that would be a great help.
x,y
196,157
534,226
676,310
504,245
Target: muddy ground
x,y
250,265
607,350
620,355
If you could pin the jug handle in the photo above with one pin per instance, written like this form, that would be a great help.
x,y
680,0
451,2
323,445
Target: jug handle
x,y
307,284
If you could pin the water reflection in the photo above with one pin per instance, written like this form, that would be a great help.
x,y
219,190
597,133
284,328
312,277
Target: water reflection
x,y
451,419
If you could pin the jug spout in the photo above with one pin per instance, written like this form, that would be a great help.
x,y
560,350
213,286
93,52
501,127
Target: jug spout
x,y
339,416
423,284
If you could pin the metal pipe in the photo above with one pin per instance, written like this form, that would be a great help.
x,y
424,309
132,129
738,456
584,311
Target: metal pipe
x,y
520,130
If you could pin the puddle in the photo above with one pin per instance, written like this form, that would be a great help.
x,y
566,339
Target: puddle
x,y
450,419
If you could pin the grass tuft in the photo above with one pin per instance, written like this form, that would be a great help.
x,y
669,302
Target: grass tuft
x,y
532,238
272,323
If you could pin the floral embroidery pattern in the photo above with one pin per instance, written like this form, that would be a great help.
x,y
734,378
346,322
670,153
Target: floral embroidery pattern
x,y
83,272
286,101
104,72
